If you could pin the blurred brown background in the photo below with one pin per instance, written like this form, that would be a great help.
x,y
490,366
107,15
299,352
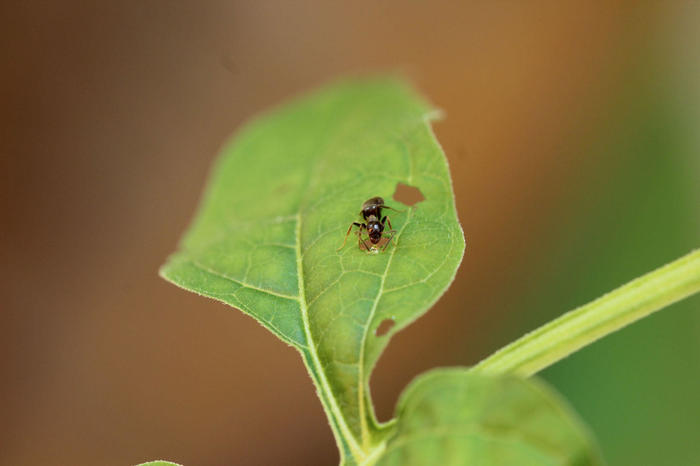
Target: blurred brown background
x,y
112,113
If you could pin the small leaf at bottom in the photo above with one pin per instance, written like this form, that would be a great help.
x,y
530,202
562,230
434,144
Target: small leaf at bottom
x,y
454,417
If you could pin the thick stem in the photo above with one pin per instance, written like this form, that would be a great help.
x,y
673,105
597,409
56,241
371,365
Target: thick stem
x,y
609,313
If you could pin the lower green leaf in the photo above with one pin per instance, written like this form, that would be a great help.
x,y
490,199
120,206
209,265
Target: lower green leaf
x,y
457,417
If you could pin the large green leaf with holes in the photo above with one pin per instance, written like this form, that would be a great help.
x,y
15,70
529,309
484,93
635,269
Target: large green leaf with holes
x,y
278,204
456,417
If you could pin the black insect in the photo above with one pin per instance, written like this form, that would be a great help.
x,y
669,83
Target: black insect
x,y
373,223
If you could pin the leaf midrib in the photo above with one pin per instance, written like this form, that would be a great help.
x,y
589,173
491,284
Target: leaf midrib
x,y
338,414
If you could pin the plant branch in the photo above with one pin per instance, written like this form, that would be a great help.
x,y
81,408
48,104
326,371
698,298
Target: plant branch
x,y
607,314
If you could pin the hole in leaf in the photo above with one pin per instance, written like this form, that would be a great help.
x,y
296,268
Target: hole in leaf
x,y
408,195
384,327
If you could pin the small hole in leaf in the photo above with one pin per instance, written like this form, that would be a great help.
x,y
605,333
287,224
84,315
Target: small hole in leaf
x,y
384,327
408,195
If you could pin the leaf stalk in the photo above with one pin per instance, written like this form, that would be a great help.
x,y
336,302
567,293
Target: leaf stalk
x,y
611,312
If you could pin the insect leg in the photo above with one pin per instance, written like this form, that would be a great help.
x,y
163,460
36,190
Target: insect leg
x,y
385,220
353,224
391,208
360,240
393,232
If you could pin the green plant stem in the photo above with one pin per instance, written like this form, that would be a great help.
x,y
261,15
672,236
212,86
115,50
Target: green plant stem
x,y
609,313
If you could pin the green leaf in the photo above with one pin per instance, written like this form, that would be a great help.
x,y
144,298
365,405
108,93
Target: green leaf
x,y
277,207
458,417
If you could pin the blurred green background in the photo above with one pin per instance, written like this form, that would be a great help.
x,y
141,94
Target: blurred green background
x,y
572,134
639,389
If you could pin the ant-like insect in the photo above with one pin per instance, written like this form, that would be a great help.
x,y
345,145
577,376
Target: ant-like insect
x,y
372,214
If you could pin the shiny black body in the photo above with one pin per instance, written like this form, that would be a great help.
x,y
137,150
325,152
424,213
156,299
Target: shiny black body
x,y
374,223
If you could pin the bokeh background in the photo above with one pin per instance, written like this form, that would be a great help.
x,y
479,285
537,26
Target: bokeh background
x,y
573,135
